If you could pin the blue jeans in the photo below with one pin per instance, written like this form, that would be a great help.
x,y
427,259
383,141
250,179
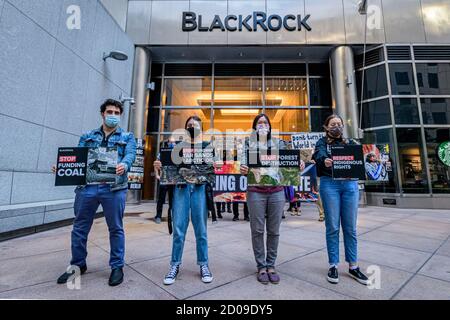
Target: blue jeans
x,y
189,199
86,204
340,200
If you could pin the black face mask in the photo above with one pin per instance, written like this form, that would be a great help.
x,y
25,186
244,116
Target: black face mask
x,y
192,132
336,132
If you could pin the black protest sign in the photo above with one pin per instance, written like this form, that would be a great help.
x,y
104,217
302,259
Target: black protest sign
x,y
348,162
71,166
187,163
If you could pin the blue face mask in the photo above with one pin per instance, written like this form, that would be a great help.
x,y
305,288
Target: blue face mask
x,y
112,121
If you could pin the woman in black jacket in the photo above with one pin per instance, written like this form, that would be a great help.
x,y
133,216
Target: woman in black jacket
x,y
340,200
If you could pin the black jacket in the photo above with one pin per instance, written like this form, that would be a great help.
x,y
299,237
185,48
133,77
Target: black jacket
x,y
323,151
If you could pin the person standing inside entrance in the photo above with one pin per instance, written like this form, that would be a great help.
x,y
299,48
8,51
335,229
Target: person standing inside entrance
x,y
163,190
189,202
111,197
265,204
340,200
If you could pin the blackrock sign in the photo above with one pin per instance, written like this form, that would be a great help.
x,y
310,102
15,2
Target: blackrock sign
x,y
251,22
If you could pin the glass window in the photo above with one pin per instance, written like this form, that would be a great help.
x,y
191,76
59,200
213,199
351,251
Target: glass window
x,y
435,110
434,78
194,92
238,92
153,115
402,80
175,119
318,117
236,119
376,113
155,96
320,92
151,144
380,138
289,120
375,82
406,111
286,92
412,163
440,174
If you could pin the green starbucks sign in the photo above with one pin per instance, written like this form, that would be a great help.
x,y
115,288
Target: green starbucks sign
x,y
444,153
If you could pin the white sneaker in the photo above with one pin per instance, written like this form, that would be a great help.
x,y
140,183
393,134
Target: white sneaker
x,y
171,275
206,274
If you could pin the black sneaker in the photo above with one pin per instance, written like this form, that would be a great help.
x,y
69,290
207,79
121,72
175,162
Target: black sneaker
x,y
171,276
65,276
333,275
235,218
359,276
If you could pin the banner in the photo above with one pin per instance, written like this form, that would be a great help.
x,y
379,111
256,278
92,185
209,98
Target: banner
x,y
136,172
187,165
348,162
279,169
82,166
230,185
377,162
308,189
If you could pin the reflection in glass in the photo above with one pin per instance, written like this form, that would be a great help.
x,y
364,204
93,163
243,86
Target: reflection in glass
x,y
187,92
402,79
286,92
234,119
435,110
406,111
433,78
238,92
320,92
318,117
175,119
289,120
412,163
376,113
440,174
375,82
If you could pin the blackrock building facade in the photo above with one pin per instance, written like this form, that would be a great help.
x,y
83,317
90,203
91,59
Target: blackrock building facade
x,y
297,61
383,65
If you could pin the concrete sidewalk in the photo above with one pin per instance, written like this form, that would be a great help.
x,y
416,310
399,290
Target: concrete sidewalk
x,y
411,248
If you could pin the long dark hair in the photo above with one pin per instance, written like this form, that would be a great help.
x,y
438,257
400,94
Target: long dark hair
x,y
255,122
196,118
330,139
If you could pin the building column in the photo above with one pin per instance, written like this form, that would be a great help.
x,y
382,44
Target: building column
x,y
343,87
137,118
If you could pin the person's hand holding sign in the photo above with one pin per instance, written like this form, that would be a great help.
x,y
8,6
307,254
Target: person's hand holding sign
x,y
157,167
328,162
120,169
244,170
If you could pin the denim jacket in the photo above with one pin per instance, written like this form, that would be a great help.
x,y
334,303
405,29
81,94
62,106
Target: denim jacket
x,y
126,148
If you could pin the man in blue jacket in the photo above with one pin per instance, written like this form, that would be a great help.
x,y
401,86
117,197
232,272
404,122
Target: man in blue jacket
x,y
111,197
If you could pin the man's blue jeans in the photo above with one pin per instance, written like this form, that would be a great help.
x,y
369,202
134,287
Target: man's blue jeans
x,y
189,199
340,200
86,204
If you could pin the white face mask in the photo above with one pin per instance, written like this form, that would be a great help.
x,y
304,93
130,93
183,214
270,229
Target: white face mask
x,y
262,129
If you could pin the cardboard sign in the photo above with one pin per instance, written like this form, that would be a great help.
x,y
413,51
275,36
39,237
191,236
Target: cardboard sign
x,y
306,140
348,162
377,162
